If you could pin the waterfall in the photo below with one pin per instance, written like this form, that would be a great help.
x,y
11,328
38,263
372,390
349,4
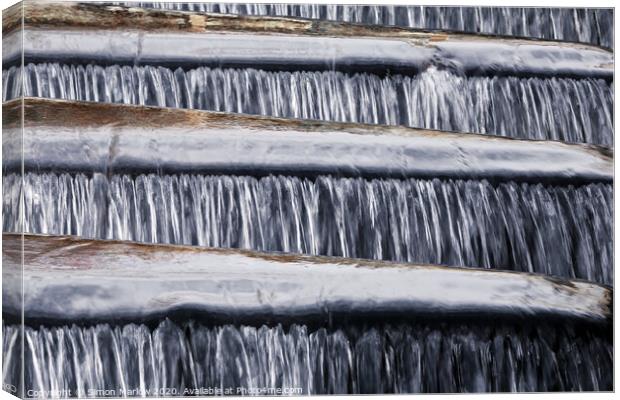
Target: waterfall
x,y
176,360
571,24
109,319
561,231
573,110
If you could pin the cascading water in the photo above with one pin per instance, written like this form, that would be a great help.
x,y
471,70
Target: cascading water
x,y
463,223
559,231
572,110
182,360
572,24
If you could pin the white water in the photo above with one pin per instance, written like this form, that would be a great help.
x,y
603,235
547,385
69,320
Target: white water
x,y
573,110
572,24
134,359
562,231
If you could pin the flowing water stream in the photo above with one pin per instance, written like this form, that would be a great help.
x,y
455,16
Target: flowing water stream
x,y
181,360
573,110
561,231
571,24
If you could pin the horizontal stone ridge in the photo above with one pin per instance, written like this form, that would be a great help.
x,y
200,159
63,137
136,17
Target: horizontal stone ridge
x,y
128,139
87,33
68,278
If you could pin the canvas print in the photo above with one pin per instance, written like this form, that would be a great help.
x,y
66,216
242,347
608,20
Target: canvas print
x,y
297,199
